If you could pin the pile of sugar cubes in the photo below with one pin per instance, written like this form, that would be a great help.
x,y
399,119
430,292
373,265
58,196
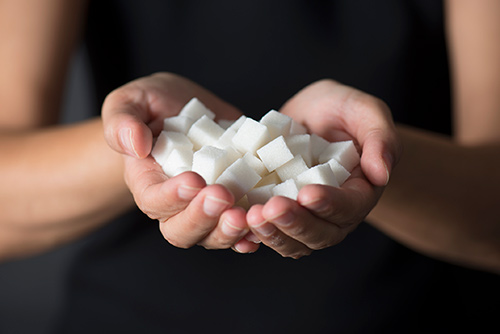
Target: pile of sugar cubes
x,y
255,160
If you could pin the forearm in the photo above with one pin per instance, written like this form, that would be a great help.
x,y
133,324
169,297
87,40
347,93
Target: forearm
x,y
442,200
57,184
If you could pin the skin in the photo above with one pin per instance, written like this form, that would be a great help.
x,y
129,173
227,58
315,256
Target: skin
x,y
76,200
452,211
77,184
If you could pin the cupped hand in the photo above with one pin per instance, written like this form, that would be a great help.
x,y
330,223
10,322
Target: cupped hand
x,y
189,212
323,216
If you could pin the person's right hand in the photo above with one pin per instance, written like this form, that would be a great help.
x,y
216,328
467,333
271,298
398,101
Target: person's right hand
x,y
189,211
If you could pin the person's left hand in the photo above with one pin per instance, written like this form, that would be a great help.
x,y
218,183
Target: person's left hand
x,y
322,216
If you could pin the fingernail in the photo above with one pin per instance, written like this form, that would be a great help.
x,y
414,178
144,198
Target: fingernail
x,y
388,175
284,218
252,238
213,206
238,249
126,142
186,192
387,160
231,230
266,229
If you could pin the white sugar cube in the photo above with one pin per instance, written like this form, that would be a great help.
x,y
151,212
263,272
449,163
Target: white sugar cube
x,y
225,123
319,174
318,145
292,168
237,124
225,142
271,178
277,123
260,195
341,174
301,144
297,129
243,203
232,154
256,164
287,189
195,109
239,178
275,153
178,161
226,139
343,151
166,142
250,136
210,162
178,124
204,132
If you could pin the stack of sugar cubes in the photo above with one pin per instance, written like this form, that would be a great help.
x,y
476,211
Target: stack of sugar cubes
x,y
255,160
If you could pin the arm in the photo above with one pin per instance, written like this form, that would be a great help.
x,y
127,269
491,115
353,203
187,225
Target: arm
x,y
448,206
57,182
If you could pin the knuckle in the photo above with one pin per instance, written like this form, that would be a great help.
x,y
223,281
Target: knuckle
x,y
276,240
173,239
216,242
177,242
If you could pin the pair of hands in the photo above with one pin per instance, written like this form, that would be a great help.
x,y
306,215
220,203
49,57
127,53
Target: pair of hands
x,y
193,213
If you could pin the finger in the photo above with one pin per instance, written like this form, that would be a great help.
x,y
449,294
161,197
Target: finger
x,y
272,237
344,207
200,217
125,117
157,195
244,246
377,137
231,228
301,225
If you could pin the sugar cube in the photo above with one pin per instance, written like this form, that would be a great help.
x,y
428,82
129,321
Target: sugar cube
x,y
232,154
226,139
178,161
210,162
195,109
297,129
343,151
166,142
256,164
239,178
275,153
341,174
250,136
277,123
287,189
225,123
243,203
237,124
319,174
318,145
271,178
301,144
178,124
204,132
292,168
260,195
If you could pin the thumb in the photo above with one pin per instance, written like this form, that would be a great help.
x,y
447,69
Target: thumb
x,y
381,151
125,121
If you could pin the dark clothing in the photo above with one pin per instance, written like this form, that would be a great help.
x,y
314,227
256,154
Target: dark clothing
x,y
125,278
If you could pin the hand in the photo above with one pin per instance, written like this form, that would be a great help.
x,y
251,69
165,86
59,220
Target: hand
x,y
189,211
322,216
